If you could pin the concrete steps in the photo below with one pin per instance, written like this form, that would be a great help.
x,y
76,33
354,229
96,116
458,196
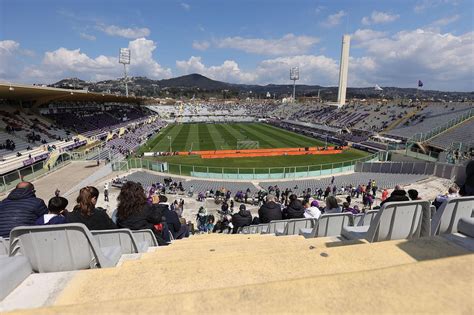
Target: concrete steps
x,y
268,274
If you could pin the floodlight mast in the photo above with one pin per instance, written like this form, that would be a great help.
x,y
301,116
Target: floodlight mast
x,y
294,75
124,58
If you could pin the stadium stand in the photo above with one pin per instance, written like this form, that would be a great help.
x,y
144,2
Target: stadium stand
x,y
461,133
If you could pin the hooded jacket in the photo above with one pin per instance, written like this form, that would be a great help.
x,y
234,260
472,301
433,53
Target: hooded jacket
x,y
396,195
172,219
269,211
468,188
295,210
21,207
240,219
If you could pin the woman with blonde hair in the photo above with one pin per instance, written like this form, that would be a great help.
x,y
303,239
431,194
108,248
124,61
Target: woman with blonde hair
x,y
85,211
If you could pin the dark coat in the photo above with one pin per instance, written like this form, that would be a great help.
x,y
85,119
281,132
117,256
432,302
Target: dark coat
x,y
396,195
240,219
295,210
172,219
145,219
98,220
21,207
269,211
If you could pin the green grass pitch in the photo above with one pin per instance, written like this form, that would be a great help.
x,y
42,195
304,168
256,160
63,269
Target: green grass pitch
x,y
201,136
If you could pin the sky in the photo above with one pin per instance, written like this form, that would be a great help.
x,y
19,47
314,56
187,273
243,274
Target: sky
x,y
393,42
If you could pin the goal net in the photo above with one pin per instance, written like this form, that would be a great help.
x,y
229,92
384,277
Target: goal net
x,y
247,144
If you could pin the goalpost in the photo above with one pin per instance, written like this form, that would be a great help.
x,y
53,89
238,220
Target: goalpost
x,y
247,144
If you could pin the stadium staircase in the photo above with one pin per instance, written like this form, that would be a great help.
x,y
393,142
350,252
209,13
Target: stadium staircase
x,y
401,120
218,273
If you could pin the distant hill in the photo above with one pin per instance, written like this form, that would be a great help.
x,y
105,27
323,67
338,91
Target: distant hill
x,y
198,85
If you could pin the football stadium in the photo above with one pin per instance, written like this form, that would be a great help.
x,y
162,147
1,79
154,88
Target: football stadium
x,y
169,191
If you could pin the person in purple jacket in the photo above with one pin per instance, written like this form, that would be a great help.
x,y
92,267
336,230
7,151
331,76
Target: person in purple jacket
x,y
56,209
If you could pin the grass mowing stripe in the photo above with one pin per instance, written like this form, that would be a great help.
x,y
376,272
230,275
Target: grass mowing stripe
x,y
230,140
264,142
314,142
283,140
164,143
235,130
205,140
179,142
193,137
217,136
286,137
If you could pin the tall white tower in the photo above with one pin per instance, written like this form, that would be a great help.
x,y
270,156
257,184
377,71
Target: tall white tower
x,y
344,67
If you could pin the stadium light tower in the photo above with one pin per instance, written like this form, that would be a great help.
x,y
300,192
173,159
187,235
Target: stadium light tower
x,y
124,58
294,75
343,69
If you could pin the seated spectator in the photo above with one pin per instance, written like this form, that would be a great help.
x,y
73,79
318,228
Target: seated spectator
x,y
134,212
270,210
241,218
21,207
384,194
294,210
332,206
347,208
56,209
452,193
85,211
178,230
413,194
398,194
311,210
468,188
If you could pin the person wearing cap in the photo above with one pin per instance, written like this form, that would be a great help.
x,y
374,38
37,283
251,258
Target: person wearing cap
x,y
21,207
311,211
241,218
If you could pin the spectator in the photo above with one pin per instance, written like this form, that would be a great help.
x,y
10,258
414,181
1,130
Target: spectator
x,y
332,206
85,211
452,193
178,230
312,211
384,194
201,220
241,218
56,209
468,188
270,210
413,194
347,208
21,207
397,195
295,209
134,213
106,192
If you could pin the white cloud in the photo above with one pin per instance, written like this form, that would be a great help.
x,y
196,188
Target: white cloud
x,y
424,5
185,6
8,61
87,36
379,18
444,60
64,62
289,44
130,32
334,19
446,20
364,35
201,45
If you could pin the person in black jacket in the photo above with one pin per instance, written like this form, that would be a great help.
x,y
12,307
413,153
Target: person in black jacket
x,y
397,195
241,218
270,210
21,207
134,212
295,209
86,213
172,220
467,189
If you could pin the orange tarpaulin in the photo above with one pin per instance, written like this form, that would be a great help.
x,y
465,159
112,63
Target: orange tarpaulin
x,y
216,154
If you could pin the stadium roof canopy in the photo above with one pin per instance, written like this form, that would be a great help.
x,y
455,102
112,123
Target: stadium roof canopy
x,y
38,95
